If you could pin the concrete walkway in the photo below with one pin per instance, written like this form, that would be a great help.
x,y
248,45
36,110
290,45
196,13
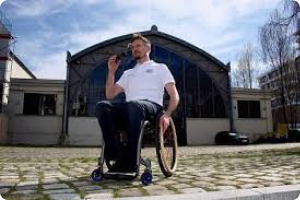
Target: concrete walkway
x,y
206,172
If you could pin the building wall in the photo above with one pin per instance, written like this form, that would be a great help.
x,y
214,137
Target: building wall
x,y
37,130
84,131
253,127
203,131
34,129
19,72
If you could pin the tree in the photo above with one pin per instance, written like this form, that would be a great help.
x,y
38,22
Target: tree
x,y
245,73
278,51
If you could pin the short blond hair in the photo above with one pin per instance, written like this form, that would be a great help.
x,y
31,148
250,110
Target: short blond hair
x,y
138,36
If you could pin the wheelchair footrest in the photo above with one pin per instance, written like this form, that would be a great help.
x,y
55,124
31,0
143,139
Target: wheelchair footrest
x,y
120,175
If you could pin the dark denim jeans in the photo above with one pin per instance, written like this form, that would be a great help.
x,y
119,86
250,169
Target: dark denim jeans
x,y
128,116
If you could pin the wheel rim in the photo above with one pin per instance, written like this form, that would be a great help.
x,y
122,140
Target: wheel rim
x,y
168,144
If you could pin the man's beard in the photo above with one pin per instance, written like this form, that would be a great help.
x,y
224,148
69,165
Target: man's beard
x,y
139,56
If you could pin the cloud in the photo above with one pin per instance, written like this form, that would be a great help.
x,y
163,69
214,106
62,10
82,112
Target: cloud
x,y
219,27
52,66
1,1
37,8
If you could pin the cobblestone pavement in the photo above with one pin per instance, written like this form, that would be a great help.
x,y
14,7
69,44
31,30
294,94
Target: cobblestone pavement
x,y
64,173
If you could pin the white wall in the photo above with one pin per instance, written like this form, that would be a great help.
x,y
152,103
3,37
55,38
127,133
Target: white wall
x,y
253,128
38,130
84,131
203,131
18,71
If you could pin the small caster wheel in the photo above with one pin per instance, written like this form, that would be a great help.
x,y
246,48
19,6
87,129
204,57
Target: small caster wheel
x,y
97,175
146,178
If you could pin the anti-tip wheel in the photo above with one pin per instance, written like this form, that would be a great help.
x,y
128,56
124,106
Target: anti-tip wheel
x,y
97,175
146,178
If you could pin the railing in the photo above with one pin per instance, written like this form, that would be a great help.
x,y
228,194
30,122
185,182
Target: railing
x,y
6,22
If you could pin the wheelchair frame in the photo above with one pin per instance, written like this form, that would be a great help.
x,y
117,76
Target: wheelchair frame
x,y
146,178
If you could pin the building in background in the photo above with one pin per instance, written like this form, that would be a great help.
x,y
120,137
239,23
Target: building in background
x,y
51,112
289,84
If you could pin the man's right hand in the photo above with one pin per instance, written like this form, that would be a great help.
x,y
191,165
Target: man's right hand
x,y
113,63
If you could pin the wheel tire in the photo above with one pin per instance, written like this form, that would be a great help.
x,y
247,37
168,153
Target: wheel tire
x,y
97,175
167,169
146,177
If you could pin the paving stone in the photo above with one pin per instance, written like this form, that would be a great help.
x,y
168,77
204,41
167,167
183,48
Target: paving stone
x,y
98,196
226,182
81,183
27,187
90,187
68,179
183,180
68,196
247,180
207,179
8,177
155,187
270,178
181,185
243,175
25,192
167,182
258,173
56,186
4,190
50,181
58,191
132,192
225,177
30,196
273,183
191,190
160,192
187,176
102,191
202,184
223,188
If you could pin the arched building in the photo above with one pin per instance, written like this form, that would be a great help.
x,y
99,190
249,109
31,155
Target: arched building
x,y
201,79
51,112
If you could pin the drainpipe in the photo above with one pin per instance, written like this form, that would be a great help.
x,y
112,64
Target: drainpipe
x,y
64,137
229,104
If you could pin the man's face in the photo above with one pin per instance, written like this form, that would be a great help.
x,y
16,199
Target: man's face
x,y
139,49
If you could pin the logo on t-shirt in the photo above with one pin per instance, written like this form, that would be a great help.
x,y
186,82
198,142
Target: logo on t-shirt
x,y
149,70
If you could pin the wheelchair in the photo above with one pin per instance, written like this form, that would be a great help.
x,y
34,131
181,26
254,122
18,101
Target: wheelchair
x,y
166,151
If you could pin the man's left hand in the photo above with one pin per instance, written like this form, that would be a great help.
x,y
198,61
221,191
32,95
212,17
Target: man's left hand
x,y
164,122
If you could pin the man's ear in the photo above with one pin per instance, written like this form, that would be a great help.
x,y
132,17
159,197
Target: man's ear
x,y
148,48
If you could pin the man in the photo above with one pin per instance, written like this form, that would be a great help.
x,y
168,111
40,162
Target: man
x,y
144,88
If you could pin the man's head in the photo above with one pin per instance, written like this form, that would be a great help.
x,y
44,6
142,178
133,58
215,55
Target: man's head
x,y
140,46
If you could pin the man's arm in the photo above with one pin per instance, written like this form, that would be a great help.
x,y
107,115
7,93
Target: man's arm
x,y
174,98
164,120
112,89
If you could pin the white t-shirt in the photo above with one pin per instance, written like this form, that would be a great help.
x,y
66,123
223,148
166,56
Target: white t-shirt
x,y
146,81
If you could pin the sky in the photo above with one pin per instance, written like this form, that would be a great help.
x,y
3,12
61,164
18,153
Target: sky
x,y
44,30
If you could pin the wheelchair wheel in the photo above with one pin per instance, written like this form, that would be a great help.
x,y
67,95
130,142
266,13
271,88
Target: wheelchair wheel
x,y
166,149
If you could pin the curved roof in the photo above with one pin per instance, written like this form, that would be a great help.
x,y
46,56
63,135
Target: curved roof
x,y
152,32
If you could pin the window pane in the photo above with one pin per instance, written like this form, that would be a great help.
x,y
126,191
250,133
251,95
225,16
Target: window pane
x,y
254,109
249,109
243,109
32,103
